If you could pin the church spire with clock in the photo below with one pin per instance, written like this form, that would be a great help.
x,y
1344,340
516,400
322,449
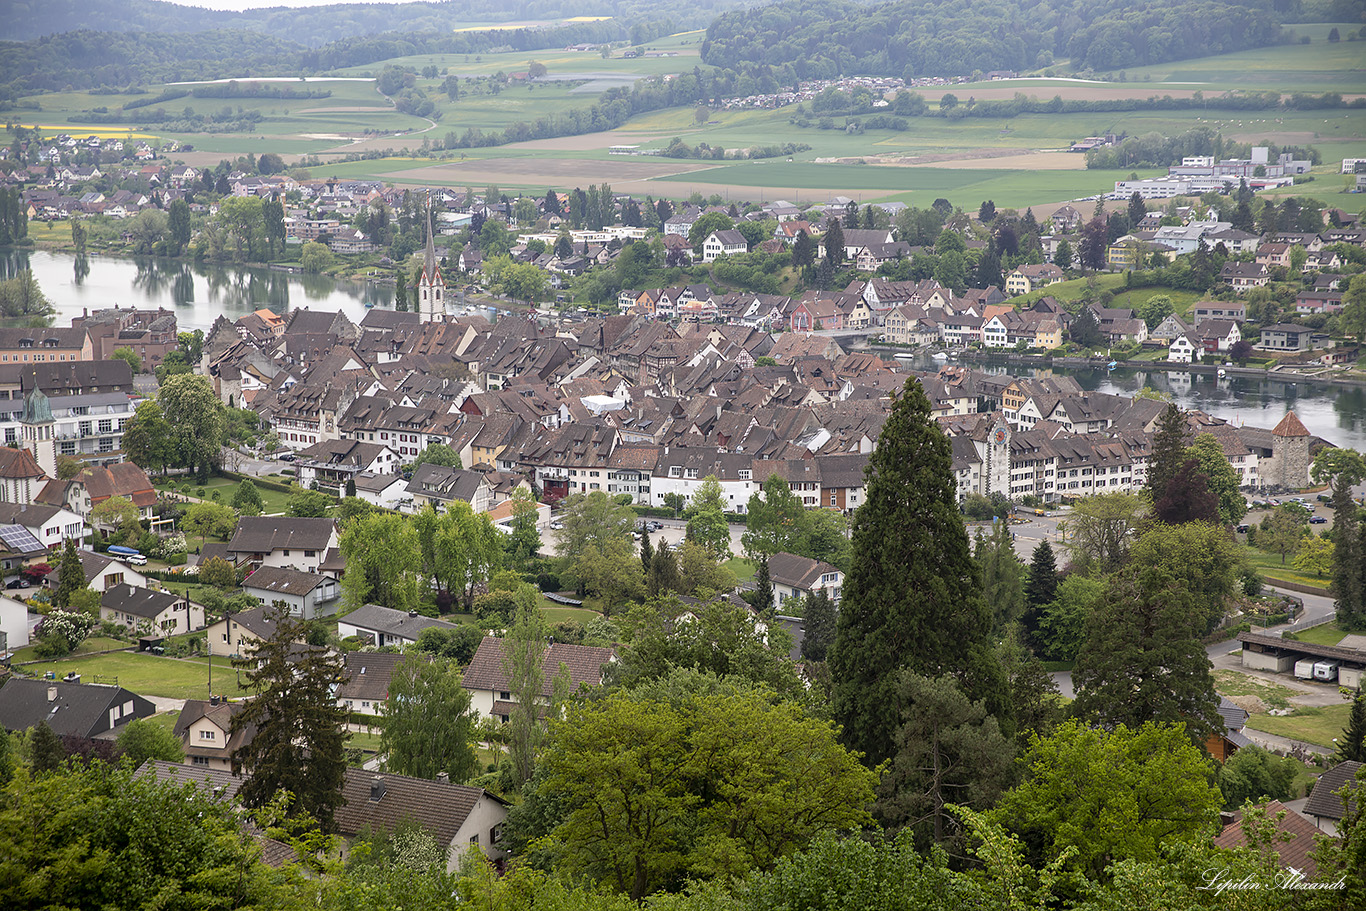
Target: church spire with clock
x,y
431,287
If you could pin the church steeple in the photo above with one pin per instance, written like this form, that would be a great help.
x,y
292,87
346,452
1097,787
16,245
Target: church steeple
x,y
38,428
431,287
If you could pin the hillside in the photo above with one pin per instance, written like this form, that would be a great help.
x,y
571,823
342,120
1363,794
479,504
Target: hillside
x,y
319,25
910,38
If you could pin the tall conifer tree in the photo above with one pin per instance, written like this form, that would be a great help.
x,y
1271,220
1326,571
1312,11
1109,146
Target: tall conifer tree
x,y
1168,452
912,597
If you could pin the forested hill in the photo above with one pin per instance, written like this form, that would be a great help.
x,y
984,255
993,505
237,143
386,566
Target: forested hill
x,y
318,25
909,38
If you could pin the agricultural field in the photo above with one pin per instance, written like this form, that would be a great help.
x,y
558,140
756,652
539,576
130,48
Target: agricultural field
x,y
1015,161
1316,67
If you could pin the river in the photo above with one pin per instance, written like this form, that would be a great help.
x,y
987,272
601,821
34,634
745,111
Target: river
x,y
1335,413
198,294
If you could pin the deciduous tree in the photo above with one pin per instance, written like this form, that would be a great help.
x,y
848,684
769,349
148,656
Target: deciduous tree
x,y
429,726
694,777
143,739
1110,795
195,419
1101,529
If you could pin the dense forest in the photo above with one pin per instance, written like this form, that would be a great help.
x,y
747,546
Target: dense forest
x,y
91,60
319,25
911,38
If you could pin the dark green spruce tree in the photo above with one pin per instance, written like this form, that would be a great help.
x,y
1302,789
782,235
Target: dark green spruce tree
x,y
1352,743
300,742
1041,587
71,574
819,625
1168,453
762,599
1347,568
912,597
647,553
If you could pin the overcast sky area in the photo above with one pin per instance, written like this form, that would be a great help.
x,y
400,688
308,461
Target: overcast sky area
x,y
259,4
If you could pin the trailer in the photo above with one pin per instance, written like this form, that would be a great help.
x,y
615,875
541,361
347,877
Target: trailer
x,y
1304,669
1326,671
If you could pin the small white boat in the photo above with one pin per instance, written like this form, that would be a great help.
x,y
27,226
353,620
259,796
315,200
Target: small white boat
x,y
1222,373
940,356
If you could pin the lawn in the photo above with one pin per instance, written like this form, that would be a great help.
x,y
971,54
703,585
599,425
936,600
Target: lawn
x,y
1323,634
165,720
149,675
1269,565
743,569
1272,695
274,501
1311,724
558,613
93,644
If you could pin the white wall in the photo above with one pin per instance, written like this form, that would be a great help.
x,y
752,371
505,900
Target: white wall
x,y
14,622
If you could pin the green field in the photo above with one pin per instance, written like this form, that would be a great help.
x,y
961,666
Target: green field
x,y
1317,67
1312,724
1270,565
149,675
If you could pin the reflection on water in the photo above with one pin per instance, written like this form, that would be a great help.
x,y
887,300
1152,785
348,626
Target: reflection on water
x,y
199,293
1337,414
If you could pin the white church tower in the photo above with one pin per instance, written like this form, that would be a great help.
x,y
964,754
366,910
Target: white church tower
x,y
431,287
38,429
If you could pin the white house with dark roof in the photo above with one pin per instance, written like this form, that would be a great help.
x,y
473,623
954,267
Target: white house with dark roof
x,y
461,819
441,485
51,525
491,694
71,709
367,681
385,626
283,541
307,595
723,243
152,612
798,577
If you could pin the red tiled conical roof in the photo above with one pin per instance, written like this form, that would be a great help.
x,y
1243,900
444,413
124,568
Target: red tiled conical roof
x,y
1290,426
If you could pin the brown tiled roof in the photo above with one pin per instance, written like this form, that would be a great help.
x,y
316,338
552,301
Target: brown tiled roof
x,y
585,663
221,716
1294,852
1290,426
437,806
19,463
123,479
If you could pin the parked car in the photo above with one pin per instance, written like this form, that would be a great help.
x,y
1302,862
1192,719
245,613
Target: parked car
x,y
653,526
287,457
556,525
18,583
1317,520
1242,529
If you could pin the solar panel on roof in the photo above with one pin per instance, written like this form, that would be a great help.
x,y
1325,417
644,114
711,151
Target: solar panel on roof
x,y
19,539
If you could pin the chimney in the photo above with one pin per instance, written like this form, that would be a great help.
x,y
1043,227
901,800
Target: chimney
x,y
443,777
376,789
412,613
52,694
